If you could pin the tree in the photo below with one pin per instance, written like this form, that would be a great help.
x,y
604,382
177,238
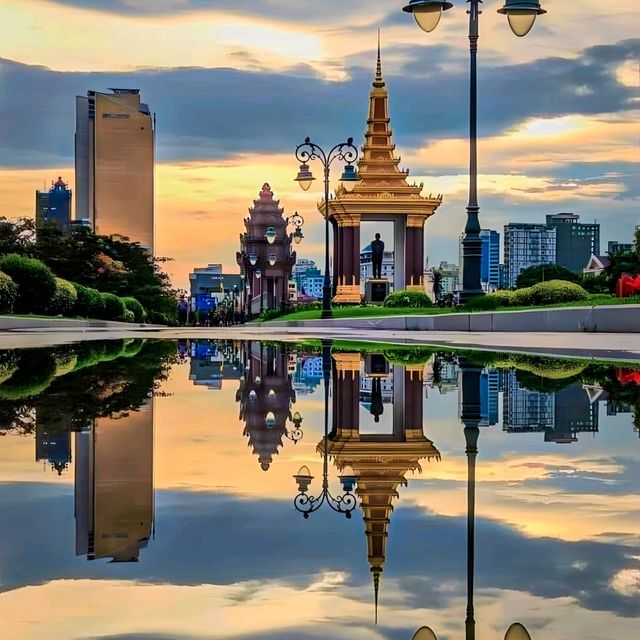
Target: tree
x,y
17,236
621,263
544,272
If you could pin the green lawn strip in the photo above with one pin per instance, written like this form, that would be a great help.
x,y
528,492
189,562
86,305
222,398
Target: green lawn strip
x,y
373,312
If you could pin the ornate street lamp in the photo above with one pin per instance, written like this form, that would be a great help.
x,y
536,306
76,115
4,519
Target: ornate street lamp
x,y
344,503
521,15
253,259
345,152
296,433
272,259
515,632
298,222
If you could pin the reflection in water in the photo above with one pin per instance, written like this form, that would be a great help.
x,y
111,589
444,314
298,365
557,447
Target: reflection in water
x,y
380,461
93,412
114,486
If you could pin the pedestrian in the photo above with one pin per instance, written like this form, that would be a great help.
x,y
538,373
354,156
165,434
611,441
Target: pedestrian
x,y
183,311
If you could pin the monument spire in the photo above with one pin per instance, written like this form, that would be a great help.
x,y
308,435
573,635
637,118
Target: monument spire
x,y
379,80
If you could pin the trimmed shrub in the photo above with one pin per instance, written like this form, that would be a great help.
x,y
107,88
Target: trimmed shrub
x,y
8,364
408,299
504,296
89,302
481,303
156,317
127,316
36,282
139,314
64,298
66,362
522,298
113,306
8,293
556,291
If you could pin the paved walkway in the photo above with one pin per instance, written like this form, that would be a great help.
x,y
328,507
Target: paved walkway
x,y
617,346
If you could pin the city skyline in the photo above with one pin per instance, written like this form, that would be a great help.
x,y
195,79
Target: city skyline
x,y
230,112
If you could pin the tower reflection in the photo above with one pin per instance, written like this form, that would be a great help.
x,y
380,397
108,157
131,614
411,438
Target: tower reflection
x,y
380,460
114,506
266,398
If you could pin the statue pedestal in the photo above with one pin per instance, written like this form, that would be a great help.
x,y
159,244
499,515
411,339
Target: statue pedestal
x,y
376,290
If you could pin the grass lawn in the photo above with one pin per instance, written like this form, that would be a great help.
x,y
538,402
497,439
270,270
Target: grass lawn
x,y
373,312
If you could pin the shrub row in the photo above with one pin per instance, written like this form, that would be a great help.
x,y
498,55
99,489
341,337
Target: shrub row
x,y
29,286
541,294
407,299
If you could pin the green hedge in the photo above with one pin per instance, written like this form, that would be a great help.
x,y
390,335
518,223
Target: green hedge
x,y
113,307
64,299
408,299
89,302
556,291
139,314
544,293
127,316
36,282
8,293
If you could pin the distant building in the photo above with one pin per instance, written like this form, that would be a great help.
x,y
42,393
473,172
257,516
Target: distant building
x,y
614,247
366,265
53,206
312,284
490,261
449,277
209,286
527,245
575,241
114,146
559,415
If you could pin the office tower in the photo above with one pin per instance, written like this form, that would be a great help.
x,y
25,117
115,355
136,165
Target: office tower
x,y
53,206
114,486
490,260
527,245
115,164
575,242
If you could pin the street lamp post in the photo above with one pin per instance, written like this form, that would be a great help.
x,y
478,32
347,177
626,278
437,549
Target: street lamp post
x,y
521,15
344,152
344,503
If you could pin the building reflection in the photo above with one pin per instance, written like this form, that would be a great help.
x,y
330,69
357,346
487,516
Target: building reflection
x,y
53,440
561,415
114,495
266,397
211,363
380,460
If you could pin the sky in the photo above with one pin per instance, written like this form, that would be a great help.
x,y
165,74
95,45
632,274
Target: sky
x,y
556,536
237,85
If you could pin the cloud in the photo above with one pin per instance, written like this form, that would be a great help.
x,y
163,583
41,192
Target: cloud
x,y
212,113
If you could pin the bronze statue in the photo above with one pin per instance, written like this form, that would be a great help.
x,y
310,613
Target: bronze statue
x,y
377,253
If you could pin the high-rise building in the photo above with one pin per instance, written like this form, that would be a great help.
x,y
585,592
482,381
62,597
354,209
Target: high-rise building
x,y
449,277
53,206
490,261
575,242
115,136
114,486
528,245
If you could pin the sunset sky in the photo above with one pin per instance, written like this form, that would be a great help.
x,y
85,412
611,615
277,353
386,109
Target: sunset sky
x,y
236,85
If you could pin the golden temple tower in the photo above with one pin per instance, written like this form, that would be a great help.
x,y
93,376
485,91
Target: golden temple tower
x,y
382,194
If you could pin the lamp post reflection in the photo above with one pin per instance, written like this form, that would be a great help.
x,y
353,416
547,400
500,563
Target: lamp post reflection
x,y
471,417
344,503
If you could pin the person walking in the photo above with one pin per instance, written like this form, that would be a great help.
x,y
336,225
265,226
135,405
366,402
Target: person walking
x,y
183,311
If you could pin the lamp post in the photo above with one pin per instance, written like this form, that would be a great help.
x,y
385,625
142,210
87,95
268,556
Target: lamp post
x,y
471,416
297,221
344,152
521,15
344,503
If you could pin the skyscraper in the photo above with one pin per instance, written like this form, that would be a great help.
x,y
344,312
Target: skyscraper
x,y
53,206
115,164
575,242
527,245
